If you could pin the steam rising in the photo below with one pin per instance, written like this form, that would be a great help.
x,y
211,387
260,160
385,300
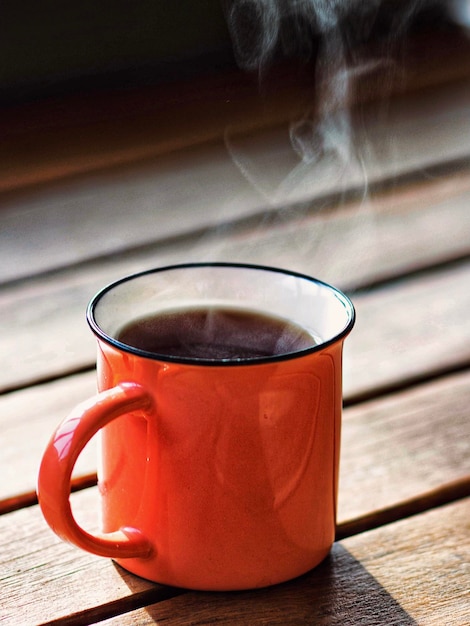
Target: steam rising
x,y
259,27
326,31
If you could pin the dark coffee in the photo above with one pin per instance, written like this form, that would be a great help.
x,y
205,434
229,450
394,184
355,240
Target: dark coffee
x,y
215,334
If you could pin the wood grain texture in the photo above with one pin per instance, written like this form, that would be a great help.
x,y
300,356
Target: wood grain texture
x,y
403,445
43,578
430,569
408,573
27,421
386,349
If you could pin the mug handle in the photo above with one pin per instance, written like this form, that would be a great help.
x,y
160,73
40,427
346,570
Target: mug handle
x,y
60,456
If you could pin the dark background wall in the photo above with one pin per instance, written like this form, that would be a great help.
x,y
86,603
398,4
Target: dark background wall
x,y
52,47
55,46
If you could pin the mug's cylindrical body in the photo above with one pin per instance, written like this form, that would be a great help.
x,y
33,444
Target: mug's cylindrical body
x,y
214,473
234,477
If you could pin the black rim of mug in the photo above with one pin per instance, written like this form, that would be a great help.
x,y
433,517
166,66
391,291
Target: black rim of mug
x,y
101,334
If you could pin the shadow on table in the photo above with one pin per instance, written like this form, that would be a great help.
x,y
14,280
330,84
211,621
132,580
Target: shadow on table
x,y
340,592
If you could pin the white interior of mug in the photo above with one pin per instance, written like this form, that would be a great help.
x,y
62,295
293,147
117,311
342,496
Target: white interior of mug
x,y
322,310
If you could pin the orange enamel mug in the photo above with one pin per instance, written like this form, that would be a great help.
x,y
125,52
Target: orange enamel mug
x,y
214,473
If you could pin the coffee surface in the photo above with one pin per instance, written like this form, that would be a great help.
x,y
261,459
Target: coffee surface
x,y
215,334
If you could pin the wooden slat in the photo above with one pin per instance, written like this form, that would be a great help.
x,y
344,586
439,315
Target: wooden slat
x,y
350,247
27,420
387,573
387,350
43,578
394,575
427,550
403,445
210,184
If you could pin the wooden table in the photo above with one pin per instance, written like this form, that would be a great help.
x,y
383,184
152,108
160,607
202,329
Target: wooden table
x,y
393,233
